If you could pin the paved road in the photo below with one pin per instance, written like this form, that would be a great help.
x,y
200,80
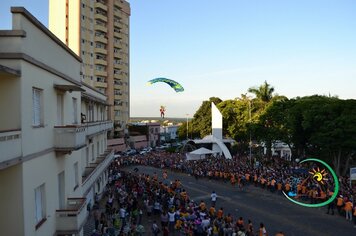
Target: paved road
x,y
274,210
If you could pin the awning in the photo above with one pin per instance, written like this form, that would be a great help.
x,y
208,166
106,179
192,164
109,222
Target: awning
x,y
9,72
69,88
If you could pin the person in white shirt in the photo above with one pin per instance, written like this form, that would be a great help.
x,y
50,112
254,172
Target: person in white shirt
x,y
213,197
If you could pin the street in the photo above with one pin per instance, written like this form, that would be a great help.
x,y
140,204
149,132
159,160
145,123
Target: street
x,y
260,205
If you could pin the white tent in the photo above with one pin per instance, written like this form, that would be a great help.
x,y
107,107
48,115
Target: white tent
x,y
198,154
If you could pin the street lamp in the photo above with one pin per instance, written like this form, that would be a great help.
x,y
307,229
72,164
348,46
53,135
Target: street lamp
x,y
250,144
187,126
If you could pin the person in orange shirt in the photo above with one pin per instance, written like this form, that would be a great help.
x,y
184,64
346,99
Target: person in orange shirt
x,y
287,187
348,210
339,203
279,187
247,176
212,211
220,213
355,217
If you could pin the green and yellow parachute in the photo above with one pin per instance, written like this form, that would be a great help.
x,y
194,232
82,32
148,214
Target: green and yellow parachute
x,y
175,85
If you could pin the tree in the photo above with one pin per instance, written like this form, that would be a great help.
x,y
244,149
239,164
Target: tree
x,y
264,92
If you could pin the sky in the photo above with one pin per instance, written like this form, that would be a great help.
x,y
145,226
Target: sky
x,y
222,48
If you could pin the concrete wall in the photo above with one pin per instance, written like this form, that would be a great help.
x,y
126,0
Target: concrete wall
x,y
11,205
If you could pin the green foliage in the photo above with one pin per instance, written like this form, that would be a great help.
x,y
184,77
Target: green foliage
x,y
317,126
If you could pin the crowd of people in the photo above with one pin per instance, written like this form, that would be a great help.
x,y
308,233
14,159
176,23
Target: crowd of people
x,y
133,197
275,174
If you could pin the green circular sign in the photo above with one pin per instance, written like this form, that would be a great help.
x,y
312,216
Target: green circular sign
x,y
336,189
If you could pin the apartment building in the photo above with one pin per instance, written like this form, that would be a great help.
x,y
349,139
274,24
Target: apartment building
x,y
53,133
98,31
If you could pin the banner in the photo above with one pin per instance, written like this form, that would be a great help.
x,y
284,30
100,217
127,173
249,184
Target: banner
x,y
353,180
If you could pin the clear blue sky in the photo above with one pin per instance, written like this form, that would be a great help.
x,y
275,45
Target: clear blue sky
x,y
221,48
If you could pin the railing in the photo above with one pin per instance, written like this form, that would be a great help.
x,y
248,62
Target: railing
x,y
10,144
94,170
72,218
97,127
69,138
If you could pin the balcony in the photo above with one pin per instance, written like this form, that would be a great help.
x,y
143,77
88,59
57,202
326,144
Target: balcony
x,y
100,50
101,39
71,220
93,128
100,17
10,145
101,73
101,62
101,6
118,35
100,84
69,138
100,28
119,66
94,170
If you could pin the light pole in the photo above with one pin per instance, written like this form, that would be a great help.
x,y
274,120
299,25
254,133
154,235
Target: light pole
x,y
187,126
250,144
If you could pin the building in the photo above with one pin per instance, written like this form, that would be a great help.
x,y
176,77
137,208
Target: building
x,y
144,134
98,31
53,133
169,133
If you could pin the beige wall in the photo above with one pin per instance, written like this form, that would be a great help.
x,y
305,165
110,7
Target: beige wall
x,y
36,77
9,103
38,45
11,205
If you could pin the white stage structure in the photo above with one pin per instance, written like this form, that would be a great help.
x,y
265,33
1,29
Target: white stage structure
x,y
216,138
198,154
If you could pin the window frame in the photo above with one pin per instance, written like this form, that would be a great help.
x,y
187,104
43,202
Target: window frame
x,y
40,108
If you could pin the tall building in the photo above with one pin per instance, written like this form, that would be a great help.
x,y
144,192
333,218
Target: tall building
x,y
53,134
98,31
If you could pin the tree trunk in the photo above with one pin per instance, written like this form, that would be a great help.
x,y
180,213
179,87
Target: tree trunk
x,y
336,162
347,164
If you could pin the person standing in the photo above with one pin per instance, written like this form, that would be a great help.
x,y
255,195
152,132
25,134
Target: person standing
x,y
213,197
249,230
262,231
348,210
155,229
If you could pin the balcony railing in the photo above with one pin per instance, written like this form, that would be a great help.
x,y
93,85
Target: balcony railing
x,y
69,138
97,127
94,170
71,219
10,145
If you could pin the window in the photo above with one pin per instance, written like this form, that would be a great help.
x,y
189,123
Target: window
x,y
75,111
37,114
59,109
76,179
40,207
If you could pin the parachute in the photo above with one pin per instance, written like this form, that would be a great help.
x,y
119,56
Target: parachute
x,y
175,85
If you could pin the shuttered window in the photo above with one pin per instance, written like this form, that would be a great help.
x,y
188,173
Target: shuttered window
x,y
37,119
40,210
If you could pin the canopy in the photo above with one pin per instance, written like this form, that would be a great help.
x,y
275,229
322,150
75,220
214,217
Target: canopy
x,y
198,154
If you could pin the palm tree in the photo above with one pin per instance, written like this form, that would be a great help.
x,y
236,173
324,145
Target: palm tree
x,y
264,92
